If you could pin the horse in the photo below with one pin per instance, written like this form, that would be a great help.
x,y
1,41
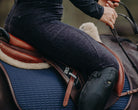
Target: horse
x,y
28,81
30,85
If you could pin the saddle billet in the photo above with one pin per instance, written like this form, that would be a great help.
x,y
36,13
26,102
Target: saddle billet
x,y
75,91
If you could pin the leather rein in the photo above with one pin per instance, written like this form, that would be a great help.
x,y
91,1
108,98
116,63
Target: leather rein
x,y
135,29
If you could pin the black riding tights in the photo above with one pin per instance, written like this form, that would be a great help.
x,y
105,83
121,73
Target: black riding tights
x,y
60,42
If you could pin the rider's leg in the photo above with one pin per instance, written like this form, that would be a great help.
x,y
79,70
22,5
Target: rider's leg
x,y
64,43
71,46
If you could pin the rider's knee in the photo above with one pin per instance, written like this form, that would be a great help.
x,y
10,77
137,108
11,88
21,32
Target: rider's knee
x,y
115,64
111,62
97,89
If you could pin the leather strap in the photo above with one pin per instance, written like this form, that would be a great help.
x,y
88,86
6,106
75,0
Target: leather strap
x,y
10,86
73,90
69,88
120,83
129,92
60,71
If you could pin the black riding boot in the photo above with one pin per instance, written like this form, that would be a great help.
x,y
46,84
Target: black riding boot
x,y
97,89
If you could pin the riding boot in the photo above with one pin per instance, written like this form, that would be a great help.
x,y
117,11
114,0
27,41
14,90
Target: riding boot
x,y
97,89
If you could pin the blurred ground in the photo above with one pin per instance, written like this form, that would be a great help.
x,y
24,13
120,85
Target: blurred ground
x,y
75,17
5,6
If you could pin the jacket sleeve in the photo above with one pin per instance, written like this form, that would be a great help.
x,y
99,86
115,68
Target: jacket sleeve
x,y
90,7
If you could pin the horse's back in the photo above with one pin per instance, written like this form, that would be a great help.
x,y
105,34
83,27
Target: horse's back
x,y
131,74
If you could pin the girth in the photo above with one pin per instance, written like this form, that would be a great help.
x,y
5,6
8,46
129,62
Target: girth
x,y
24,54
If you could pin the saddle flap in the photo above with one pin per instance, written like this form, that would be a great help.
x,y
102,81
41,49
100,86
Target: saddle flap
x,y
121,76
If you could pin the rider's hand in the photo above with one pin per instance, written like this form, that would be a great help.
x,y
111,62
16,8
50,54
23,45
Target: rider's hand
x,y
108,3
102,2
109,16
111,4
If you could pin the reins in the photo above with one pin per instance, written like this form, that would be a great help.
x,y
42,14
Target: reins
x,y
135,29
115,34
130,18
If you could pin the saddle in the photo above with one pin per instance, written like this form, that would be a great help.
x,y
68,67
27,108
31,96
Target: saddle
x,y
22,55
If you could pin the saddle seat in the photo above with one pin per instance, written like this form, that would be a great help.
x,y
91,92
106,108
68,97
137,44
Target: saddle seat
x,y
22,55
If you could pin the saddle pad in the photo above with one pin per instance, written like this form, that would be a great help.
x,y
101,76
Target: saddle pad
x,y
38,89
44,89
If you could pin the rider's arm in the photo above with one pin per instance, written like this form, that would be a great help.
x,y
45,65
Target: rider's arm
x,y
90,7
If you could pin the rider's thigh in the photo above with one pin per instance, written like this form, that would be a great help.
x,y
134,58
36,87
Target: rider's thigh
x,y
69,45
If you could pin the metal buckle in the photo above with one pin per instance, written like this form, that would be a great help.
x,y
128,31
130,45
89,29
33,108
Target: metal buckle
x,y
67,71
74,76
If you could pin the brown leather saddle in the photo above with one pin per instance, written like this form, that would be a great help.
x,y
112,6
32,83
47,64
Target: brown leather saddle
x,y
16,50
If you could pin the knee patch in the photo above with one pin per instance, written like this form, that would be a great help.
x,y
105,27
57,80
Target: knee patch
x,y
97,89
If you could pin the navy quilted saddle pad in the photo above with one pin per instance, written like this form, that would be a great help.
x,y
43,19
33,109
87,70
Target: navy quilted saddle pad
x,y
44,89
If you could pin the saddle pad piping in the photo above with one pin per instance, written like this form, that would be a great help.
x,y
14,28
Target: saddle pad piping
x,y
10,86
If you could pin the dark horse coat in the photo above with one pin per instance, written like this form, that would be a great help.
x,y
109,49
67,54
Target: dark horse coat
x,y
130,72
131,50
